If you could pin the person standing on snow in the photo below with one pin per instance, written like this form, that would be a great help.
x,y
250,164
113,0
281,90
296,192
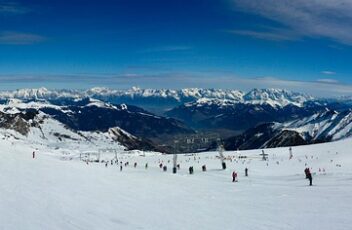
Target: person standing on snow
x,y
190,169
246,172
309,176
306,171
33,154
234,176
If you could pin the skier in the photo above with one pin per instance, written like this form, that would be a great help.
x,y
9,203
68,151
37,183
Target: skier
x,y
234,176
120,167
306,171
190,169
246,171
33,154
135,164
309,176
106,164
146,165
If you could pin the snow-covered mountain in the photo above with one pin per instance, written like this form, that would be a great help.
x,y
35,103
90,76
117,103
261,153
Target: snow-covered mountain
x,y
164,98
36,128
134,92
276,97
320,127
273,97
40,93
130,126
208,111
330,125
181,95
240,116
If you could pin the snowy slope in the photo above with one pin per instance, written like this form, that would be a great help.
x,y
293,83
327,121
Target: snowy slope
x,y
52,134
89,114
329,125
27,122
321,127
54,192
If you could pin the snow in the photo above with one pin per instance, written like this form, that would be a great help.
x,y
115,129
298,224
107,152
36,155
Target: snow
x,y
329,124
122,131
40,93
276,97
54,192
149,115
221,103
52,136
273,97
101,104
15,105
124,107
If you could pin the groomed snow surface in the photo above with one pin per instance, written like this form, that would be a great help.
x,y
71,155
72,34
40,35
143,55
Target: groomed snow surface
x,y
54,191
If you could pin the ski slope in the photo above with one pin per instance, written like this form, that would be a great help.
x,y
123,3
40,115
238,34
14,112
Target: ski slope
x,y
58,191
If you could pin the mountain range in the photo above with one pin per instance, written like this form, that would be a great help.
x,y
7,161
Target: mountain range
x,y
320,127
156,119
129,126
161,98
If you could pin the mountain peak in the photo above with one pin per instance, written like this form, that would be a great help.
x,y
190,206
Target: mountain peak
x,y
276,97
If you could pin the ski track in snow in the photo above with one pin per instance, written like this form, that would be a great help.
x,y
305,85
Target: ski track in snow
x,y
51,193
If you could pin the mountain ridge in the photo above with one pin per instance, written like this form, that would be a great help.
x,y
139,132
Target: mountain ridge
x,y
277,97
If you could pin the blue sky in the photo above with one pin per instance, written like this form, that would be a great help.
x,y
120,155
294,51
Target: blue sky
x,y
299,45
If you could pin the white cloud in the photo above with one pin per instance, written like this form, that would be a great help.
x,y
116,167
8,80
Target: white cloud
x,y
330,19
327,72
320,87
16,38
328,80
